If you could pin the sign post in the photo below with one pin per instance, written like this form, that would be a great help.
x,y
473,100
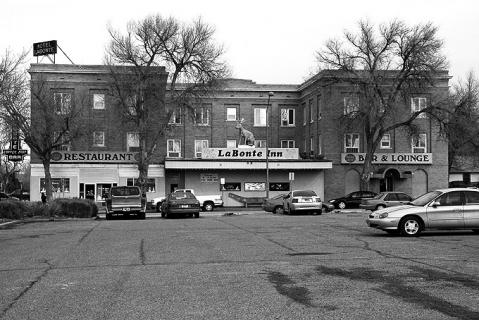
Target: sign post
x,y
15,153
291,179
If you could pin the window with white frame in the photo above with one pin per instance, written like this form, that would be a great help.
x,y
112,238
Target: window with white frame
x,y
419,143
173,148
99,101
260,143
351,104
417,104
62,102
310,108
176,117
351,142
199,146
231,113
202,115
287,143
99,138
230,143
133,141
287,117
61,141
260,117
385,142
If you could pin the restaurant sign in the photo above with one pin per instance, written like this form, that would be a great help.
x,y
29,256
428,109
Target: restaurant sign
x,y
94,156
388,158
250,153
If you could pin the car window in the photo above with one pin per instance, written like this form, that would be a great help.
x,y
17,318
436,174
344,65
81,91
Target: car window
x,y
450,199
181,195
125,191
379,195
391,197
304,193
356,195
403,197
472,197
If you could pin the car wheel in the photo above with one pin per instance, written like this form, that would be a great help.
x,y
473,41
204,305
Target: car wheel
x,y
158,207
410,227
342,205
278,210
196,215
108,216
380,206
208,206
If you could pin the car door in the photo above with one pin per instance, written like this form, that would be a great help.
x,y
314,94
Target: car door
x,y
449,211
355,199
471,210
391,200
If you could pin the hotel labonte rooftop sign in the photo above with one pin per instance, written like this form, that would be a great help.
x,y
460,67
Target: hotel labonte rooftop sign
x,y
94,156
250,153
388,158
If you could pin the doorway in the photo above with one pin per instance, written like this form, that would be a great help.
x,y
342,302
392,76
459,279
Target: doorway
x,y
387,184
90,191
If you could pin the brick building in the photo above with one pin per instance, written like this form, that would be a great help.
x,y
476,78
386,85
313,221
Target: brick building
x,y
201,150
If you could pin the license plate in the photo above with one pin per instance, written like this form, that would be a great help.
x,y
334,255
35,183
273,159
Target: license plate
x,y
126,209
184,206
307,200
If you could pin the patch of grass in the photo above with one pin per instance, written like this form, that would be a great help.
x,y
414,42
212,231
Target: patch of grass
x,y
72,208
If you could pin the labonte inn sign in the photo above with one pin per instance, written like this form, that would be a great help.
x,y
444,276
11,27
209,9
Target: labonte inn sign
x,y
250,153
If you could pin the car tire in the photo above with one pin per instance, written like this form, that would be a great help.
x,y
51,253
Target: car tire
x,y
410,226
158,207
342,205
278,210
108,216
380,206
208,206
196,215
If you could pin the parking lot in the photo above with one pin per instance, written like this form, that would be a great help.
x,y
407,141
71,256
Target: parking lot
x,y
253,265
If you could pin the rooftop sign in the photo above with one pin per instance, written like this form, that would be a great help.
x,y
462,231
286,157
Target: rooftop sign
x,y
44,48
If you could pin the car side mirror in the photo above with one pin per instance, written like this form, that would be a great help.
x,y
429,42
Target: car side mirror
x,y
436,204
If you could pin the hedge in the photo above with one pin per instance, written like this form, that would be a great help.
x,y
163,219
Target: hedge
x,y
73,208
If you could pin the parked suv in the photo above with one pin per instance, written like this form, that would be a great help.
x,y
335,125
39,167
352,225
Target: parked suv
x,y
125,200
302,201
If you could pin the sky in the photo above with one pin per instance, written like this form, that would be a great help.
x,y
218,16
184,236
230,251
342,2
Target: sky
x,y
269,42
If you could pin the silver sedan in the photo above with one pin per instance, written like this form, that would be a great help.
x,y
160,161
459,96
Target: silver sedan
x,y
454,208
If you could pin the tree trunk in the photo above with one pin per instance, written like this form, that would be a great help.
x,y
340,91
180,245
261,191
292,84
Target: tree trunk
x,y
48,177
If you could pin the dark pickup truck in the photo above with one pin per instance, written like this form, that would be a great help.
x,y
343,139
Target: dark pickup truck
x,y
125,200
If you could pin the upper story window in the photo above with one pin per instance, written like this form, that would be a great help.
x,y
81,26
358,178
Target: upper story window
x,y
199,146
287,144
176,118
99,101
417,104
287,117
202,116
310,108
311,145
133,141
385,142
230,143
320,144
131,105
61,141
318,107
419,143
231,113
351,104
260,117
99,138
173,148
260,143
351,142
62,102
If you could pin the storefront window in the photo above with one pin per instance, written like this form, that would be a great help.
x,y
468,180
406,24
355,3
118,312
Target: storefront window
x,y
254,186
279,186
58,185
231,186
150,183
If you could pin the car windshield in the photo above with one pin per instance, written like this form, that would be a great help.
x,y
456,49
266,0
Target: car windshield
x,y
181,195
379,195
125,191
425,198
304,193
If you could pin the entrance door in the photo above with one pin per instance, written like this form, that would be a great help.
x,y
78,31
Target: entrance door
x,y
90,191
387,184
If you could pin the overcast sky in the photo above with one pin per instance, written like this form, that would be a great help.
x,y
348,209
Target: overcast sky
x,y
266,41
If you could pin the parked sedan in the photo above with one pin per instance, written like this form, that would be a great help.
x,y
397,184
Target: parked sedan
x,y
352,200
180,203
454,208
385,199
302,201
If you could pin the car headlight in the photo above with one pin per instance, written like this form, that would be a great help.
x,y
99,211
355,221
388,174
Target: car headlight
x,y
383,215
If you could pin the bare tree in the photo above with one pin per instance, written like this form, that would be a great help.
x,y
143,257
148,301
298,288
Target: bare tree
x,y
462,127
387,66
56,122
189,54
